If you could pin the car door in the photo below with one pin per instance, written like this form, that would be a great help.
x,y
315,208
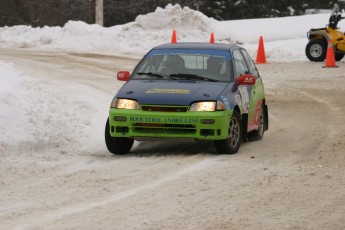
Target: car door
x,y
240,69
247,92
257,94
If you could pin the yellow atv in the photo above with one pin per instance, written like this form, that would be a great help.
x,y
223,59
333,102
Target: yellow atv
x,y
316,48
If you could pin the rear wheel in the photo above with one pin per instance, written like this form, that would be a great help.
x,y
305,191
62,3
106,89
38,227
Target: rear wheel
x,y
233,142
258,134
117,145
316,50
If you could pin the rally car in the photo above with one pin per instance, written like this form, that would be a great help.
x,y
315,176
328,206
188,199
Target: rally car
x,y
189,91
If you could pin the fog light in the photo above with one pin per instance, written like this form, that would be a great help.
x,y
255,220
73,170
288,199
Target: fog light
x,y
120,118
122,130
207,132
207,121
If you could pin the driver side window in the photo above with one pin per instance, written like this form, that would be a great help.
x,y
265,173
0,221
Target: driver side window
x,y
240,64
251,64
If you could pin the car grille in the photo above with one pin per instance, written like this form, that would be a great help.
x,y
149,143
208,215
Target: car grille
x,y
157,108
164,128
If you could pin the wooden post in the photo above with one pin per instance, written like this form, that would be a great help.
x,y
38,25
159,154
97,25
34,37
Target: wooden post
x,y
99,12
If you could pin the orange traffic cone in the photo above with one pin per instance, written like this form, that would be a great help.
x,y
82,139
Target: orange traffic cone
x,y
330,60
261,58
212,38
173,37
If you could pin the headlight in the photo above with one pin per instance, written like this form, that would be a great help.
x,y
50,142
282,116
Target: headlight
x,y
203,106
207,106
124,104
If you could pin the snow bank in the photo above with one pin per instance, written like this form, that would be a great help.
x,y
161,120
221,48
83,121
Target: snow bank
x,y
285,38
135,37
173,16
272,29
74,36
47,114
156,28
25,114
10,102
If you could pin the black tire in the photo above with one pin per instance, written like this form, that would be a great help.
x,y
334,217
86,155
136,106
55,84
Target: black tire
x,y
338,57
258,134
316,50
233,142
117,145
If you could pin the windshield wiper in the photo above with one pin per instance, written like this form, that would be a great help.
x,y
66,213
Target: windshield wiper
x,y
155,75
192,77
151,74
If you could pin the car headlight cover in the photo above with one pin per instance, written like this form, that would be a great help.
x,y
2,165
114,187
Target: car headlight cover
x,y
203,106
125,104
207,106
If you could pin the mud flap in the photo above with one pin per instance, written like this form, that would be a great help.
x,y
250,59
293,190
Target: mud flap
x,y
266,117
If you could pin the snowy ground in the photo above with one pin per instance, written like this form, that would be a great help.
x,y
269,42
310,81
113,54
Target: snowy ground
x,y
56,85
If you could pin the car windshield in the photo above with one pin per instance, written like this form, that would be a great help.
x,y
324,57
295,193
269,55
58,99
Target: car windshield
x,y
179,64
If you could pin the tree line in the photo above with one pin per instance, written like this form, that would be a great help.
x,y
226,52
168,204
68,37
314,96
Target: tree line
x,y
39,13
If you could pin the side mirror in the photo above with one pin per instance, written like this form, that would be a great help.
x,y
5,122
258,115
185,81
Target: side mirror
x,y
123,76
245,79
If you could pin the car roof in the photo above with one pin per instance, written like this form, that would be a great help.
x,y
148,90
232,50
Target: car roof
x,y
198,45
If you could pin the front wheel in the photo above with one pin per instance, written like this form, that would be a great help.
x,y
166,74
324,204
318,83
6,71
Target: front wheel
x,y
117,145
316,50
233,142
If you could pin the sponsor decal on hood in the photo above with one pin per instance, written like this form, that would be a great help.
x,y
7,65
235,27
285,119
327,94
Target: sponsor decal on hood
x,y
168,91
165,92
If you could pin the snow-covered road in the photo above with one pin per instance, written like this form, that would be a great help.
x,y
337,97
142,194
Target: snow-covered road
x,y
59,175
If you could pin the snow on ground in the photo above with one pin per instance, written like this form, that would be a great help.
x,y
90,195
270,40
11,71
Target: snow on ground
x,y
21,98
55,171
10,102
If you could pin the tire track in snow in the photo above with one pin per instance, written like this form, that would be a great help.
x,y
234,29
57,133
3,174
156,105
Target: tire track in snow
x,y
50,216
329,132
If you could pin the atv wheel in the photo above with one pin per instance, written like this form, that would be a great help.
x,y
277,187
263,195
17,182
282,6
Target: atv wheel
x,y
258,134
316,50
338,57
117,145
233,142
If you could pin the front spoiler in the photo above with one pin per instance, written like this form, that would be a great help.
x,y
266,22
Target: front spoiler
x,y
142,125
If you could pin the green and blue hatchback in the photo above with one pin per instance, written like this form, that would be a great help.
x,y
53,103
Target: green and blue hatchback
x,y
189,91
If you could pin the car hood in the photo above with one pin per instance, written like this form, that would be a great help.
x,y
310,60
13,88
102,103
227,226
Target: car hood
x,y
166,92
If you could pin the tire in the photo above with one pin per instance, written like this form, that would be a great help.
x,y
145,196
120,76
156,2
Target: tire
x,y
316,50
338,57
117,145
258,134
233,142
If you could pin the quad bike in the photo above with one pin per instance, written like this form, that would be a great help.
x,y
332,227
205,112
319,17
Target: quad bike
x,y
316,48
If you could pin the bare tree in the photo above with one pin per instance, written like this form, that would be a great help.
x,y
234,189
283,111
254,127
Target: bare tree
x,y
45,12
57,12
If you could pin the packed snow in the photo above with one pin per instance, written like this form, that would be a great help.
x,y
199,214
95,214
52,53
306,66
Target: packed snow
x,y
20,97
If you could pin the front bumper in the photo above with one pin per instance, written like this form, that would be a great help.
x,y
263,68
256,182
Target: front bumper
x,y
139,124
